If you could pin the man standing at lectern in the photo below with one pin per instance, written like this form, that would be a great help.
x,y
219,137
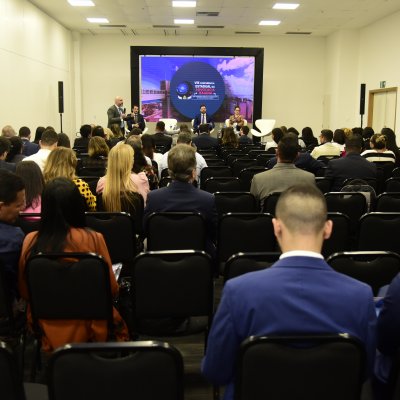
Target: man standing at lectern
x,y
116,114
202,118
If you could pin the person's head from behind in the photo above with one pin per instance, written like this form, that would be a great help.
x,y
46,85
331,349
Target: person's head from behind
x,y
49,139
378,141
326,136
339,137
5,147
8,131
16,147
182,163
244,130
98,131
120,163
116,130
97,147
300,221
288,148
367,132
12,196
160,126
134,132
63,140
354,144
24,132
61,162
85,131
204,128
390,140
307,134
357,131
184,128
277,135
293,130
139,162
149,145
184,138
32,176
38,133
230,139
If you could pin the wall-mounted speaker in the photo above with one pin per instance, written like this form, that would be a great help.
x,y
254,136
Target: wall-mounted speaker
x,y
60,97
362,99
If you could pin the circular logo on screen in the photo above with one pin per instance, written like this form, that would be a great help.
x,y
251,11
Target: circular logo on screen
x,y
194,84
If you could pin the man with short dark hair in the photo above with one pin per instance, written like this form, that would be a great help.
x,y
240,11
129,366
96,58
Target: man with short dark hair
x,y
204,140
326,147
350,166
298,295
86,133
47,143
160,138
12,201
284,174
29,148
5,146
135,119
202,118
243,135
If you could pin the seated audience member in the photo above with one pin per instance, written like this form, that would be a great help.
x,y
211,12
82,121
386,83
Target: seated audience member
x,y
61,163
12,201
160,138
135,119
229,139
357,131
63,230
63,140
15,154
303,161
326,147
5,147
38,135
149,148
300,294
296,132
243,135
119,175
276,136
378,152
47,143
284,174
186,139
339,139
391,143
308,137
97,154
181,195
202,118
8,131
117,135
204,140
32,177
29,148
184,128
86,133
366,135
350,166
134,132
236,121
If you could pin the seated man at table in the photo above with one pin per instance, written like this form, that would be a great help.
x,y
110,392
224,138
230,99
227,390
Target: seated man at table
x,y
300,294
202,118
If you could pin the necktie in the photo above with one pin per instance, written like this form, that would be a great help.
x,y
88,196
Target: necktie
x,y
135,118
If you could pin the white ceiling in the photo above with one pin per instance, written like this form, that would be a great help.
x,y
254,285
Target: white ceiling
x,y
320,17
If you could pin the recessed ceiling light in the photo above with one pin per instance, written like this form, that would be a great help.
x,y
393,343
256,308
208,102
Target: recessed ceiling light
x,y
285,6
184,21
183,4
98,20
81,3
269,23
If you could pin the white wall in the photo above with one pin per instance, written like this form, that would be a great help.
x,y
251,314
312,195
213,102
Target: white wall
x,y
35,53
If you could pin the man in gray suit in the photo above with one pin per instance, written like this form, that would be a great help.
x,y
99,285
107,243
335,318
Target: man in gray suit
x,y
116,113
284,174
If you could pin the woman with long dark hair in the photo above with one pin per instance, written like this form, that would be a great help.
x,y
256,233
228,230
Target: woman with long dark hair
x,y
391,143
63,229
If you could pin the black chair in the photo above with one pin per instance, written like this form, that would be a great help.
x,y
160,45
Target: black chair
x,y
341,238
388,202
246,175
262,159
326,159
396,172
118,230
164,173
373,182
379,231
244,232
164,182
270,203
392,184
222,184
376,268
323,184
241,163
242,263
63,286
231,202
175,231
235,156
91,171
216,171
215,162
175,285
253,153
145,370
328,367
161,149
28,222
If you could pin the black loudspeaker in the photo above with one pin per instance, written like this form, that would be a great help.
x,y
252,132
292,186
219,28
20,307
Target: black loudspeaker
x,y
362,99
60,97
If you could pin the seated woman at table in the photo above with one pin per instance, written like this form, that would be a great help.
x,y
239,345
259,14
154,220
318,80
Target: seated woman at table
x,y
236,121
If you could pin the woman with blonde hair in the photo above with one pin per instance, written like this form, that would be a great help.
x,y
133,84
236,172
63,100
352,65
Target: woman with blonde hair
x,y
61,163
117,186
97,155
378,152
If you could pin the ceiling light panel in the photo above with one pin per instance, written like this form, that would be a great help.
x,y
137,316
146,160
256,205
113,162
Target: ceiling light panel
x,y
98,20
269,23
81,3
184,21
285,6
183,4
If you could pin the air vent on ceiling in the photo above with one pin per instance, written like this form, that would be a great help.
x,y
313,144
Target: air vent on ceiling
x,y
298,33
207,14
112,26
246,33
210,26
166,26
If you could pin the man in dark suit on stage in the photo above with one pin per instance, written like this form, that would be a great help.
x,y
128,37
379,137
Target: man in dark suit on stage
x,y
350,166
202,118
135,120
204,140
116,114
160,138
300,294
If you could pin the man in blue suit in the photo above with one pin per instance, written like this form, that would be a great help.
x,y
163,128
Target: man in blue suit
x,y
202,118
299,294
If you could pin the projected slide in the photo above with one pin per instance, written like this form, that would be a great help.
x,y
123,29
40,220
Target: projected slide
x,y
175,87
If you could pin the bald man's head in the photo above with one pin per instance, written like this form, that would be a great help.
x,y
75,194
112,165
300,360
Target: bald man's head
x,y
119,102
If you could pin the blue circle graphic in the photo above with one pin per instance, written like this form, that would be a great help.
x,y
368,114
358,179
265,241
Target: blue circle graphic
x,y
194,84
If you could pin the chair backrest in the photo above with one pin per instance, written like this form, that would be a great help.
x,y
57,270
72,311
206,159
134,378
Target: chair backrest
x,y
118,230
219,171
341,238
270,203
253,153
388,202
242,263
28,222
231,202
328,367
325,159
172,284
69,286
8,323
246,175
91,171
214,162
376,268
396,172
242,163
222,184
235,156
145,370
323,184
11,387
262,159
176,231
165,181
